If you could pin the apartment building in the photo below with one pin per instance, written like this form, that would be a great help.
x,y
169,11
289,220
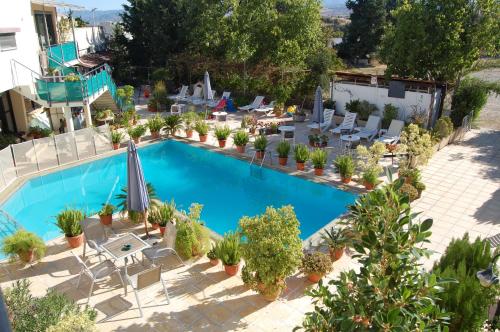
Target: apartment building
x,y
44,80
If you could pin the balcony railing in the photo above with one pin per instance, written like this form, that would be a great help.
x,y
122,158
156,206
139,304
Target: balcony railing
x,y
61,53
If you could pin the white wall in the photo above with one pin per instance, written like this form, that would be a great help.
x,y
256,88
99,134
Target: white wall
x,y
87,37
344,93
17,14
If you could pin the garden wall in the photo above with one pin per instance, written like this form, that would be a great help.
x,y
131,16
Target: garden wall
x,y
344,92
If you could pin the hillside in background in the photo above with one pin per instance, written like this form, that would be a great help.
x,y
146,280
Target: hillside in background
x,y
100,15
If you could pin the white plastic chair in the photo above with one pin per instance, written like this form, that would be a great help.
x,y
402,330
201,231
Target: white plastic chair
x,y
181,95
255,104
328,117
347,124
95,235
146,279
391,135
165,248
96,273
371,129
215,102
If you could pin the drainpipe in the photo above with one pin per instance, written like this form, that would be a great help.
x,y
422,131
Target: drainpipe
x,y
45,23
73,32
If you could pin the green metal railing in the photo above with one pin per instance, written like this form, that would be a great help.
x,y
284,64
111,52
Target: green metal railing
x,y
59,54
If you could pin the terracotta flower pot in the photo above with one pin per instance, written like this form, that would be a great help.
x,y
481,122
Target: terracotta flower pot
x,y
162,230
214,262
75,241
116,146
189,133
314,277
271,297
203,138
232,270
336,254
137,140
318,171
259,154
300,166
222,143
26,256
368,186
251,131
346,180
240,148
146,93
155,226
283,161
106,220
155,134
152,109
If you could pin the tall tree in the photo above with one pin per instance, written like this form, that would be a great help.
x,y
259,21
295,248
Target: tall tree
x,y
439,40
364,33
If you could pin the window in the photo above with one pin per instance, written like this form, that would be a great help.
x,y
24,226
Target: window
x,y
46,37
7,41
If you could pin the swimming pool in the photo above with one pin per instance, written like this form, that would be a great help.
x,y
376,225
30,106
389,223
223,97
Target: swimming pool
x,y
229,189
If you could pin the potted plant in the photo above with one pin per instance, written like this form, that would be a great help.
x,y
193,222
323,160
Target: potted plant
x,y
26,245
172,124
212,255
136,132
152,105
301,153
370,177
315,265
240,139
319,158
260,145
222,133
153,219
189,119
283,150
116,138
162,214
318,141
201,127
106,214
229,252
346,167
105,115
68,222
155,124
336,240
272,249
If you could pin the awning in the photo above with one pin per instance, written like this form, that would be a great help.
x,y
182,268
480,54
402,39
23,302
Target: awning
x,y
91,60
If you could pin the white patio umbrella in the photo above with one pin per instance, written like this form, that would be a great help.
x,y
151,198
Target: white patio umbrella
x,y
318,115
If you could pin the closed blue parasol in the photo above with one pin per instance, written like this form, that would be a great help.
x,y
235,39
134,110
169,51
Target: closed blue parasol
x,y
137,190
318,115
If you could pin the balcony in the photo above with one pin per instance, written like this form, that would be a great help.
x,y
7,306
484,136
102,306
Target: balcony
x,y
61,54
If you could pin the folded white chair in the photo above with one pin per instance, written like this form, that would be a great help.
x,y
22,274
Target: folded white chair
x,y
255,104
391,135
181,95
328,117
197,97
267,110
371,129
347,124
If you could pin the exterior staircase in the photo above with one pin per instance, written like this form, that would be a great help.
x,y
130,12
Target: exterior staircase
x,y
105,101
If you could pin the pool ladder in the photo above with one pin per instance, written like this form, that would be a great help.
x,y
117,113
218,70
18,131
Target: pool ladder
x,y
8,225
254,157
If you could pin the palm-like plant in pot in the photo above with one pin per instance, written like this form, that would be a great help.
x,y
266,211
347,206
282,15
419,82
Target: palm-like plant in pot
x,y
212,254
370,176
272,249
133,215
222,133
319,158
201,127
172,124
106,214
116,138
155,124
162,214
229,252
336,240
136,133
260,145
301,154
240,139
315,265
68,222
345,165
283,150
26,245
189,120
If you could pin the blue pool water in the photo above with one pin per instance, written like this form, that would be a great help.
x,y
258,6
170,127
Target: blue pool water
x,y
228,188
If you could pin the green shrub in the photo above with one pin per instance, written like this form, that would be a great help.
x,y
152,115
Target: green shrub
x,y
316,262
6,140
21,242
366,109
192,237
137,131
260,143
417,143
353,106
222,133
345,165
443,127
28,313
301,153
229,249
68,221
470,97
283,149
241,138
172,124
319,158
272,247
409,190
466,299
201,127
390,113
